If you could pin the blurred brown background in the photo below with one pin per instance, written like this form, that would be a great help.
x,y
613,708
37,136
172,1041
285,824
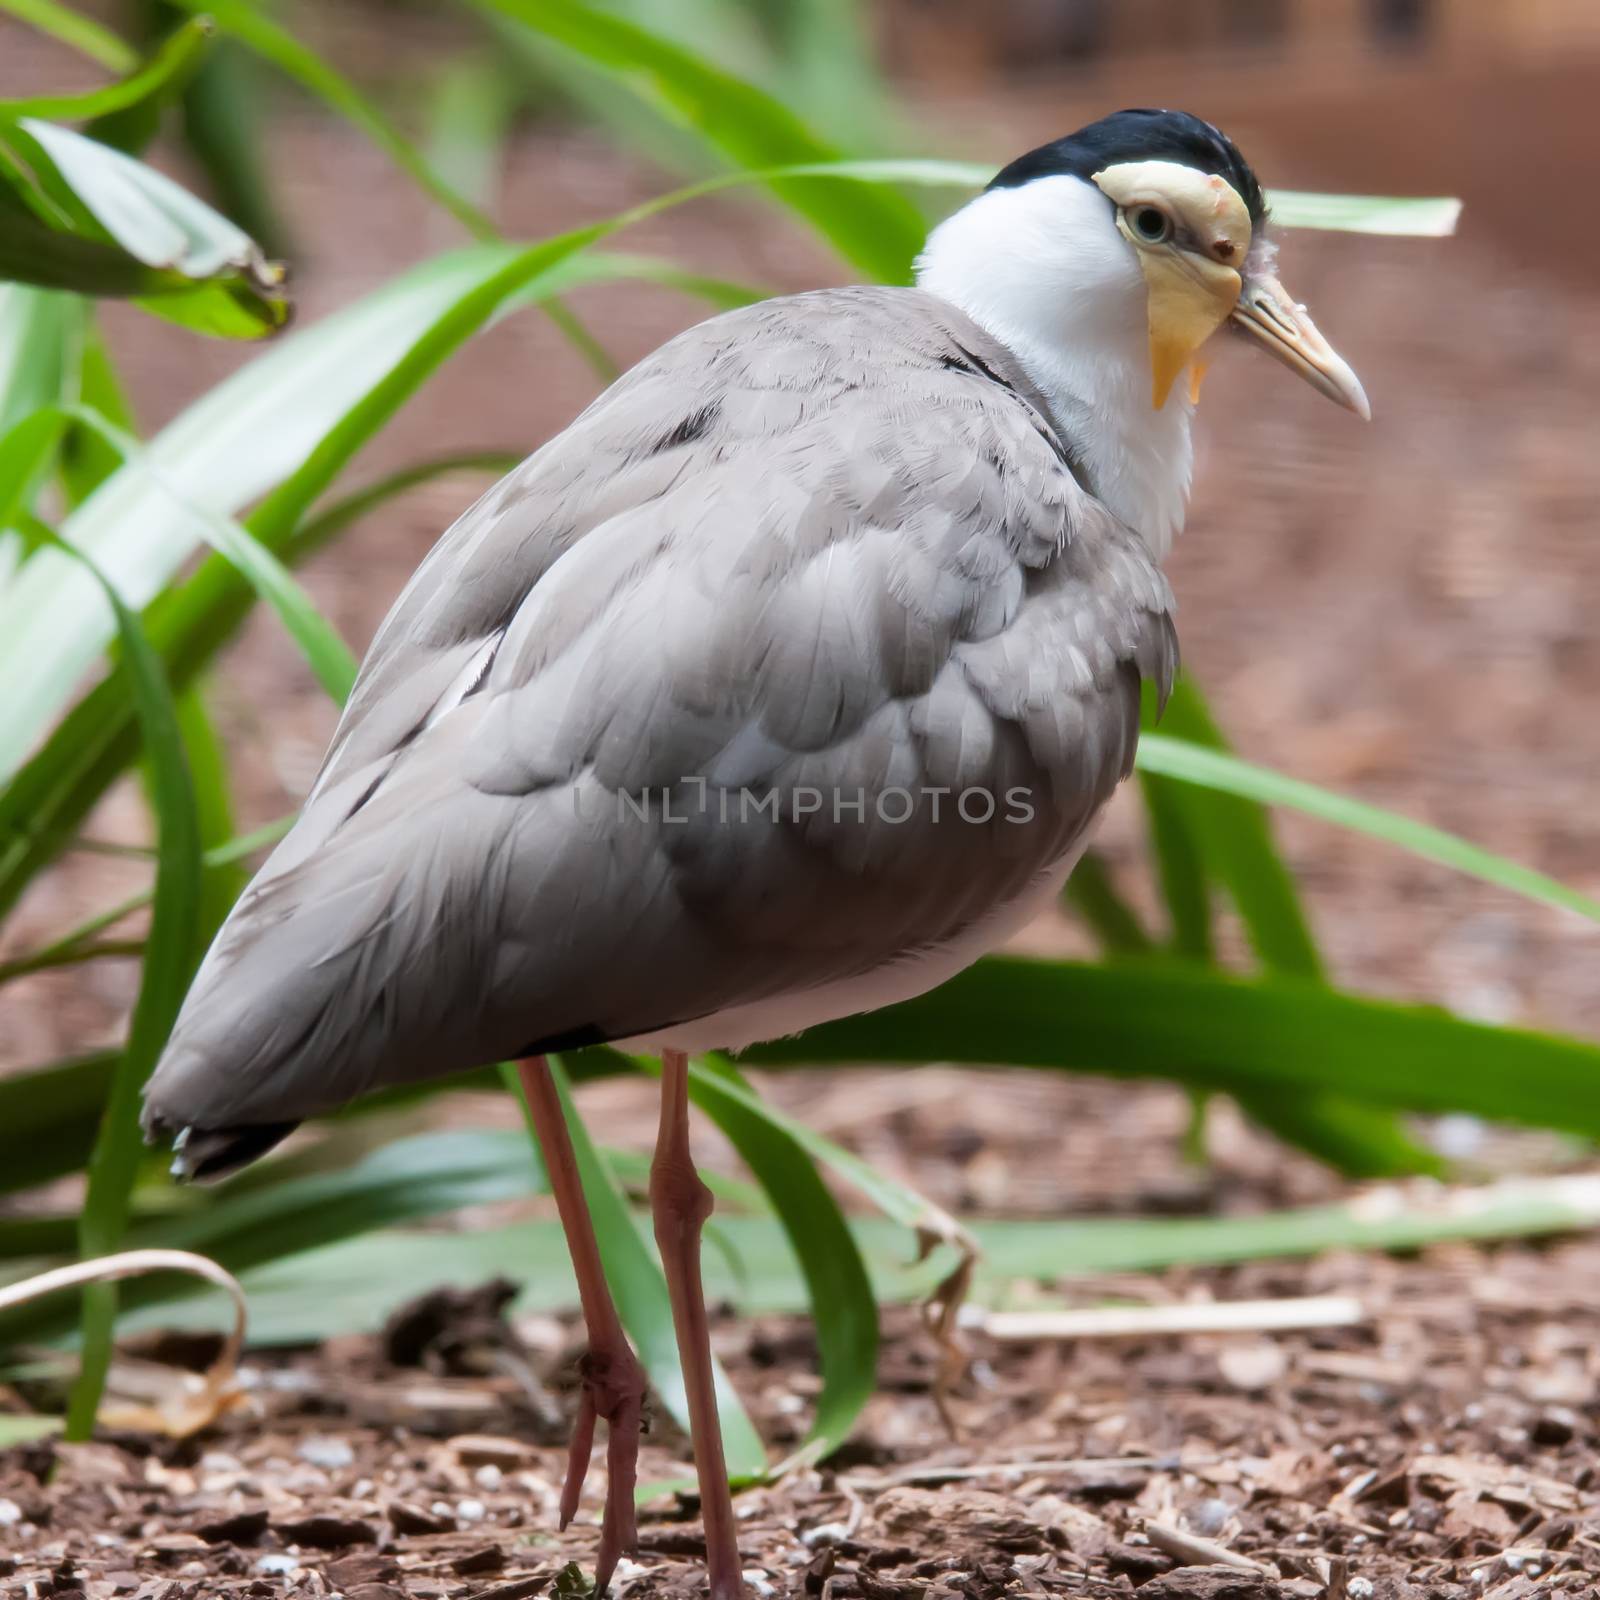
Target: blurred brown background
x,y
1404,611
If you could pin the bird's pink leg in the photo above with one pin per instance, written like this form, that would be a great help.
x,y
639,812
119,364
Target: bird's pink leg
x,y
681,1203
613,1380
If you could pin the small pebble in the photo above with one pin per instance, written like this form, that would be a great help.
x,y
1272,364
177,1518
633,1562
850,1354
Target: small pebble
x,y
1208,1516
757,1582
278,1561
442,1508
10,1513
1359,1589
471,1510
488,1478
322,1451
825,1533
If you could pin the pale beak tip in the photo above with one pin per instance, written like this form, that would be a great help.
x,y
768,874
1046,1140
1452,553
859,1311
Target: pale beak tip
x,y
1337,379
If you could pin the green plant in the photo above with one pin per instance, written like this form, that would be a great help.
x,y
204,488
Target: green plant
x,y
247,472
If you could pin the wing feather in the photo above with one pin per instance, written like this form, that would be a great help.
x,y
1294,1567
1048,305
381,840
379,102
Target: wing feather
x,y
822,550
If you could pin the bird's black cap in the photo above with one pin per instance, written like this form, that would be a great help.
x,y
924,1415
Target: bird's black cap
x,y
1141,135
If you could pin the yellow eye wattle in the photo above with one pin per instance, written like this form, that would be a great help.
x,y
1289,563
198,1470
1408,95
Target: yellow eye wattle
x,y
1188,228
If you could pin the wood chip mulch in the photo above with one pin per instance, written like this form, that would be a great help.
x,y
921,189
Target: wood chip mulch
x,y
1443,1449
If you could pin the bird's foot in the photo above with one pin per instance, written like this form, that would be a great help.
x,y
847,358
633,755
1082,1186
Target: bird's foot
x,y
613,1391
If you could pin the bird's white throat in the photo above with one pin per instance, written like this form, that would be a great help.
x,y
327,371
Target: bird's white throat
x,y
1043,268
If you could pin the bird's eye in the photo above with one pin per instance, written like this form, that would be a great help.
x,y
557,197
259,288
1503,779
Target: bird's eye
x,y
1151,225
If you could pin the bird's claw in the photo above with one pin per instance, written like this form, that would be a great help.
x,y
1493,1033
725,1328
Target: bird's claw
x,y
613,1390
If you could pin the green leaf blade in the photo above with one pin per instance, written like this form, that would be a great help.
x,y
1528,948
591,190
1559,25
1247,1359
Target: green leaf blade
x,y
1195,1026
843,1308
169,963
878,232
1177,758
177,57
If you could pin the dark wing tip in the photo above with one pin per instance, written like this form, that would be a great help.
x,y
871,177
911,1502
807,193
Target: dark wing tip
x,y
200,1155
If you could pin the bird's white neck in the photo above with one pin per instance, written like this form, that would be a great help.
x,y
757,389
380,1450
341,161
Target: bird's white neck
x,y
1043,269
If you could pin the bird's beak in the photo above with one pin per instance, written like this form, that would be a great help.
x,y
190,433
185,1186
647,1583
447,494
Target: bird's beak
x,y
1267,312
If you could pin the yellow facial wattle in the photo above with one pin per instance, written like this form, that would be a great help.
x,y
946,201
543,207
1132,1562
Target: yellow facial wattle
x,y
1192,280
1186,308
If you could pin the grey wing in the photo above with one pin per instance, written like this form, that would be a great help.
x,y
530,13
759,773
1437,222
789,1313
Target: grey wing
x,y
800,652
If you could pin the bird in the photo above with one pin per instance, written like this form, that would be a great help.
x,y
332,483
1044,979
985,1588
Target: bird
x,y
781,685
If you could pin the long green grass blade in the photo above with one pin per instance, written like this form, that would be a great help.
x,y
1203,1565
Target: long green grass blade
x,y
425,1175
1196,1026
39,337
50,1117
26,1428
1406,216
878,231
225,128
222,882
1190,763
1114,923
247,1225
169,962
176,57
473,103
640,1292
1202,834
1180,870
325,652
1232,838
87,459
133,127
252,27
80,33
27,452
351,1287
41,334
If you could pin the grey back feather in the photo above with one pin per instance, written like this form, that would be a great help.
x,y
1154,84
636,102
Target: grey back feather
x,y
829,543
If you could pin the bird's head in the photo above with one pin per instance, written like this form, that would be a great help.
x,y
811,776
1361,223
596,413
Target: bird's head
x,y
1146,222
